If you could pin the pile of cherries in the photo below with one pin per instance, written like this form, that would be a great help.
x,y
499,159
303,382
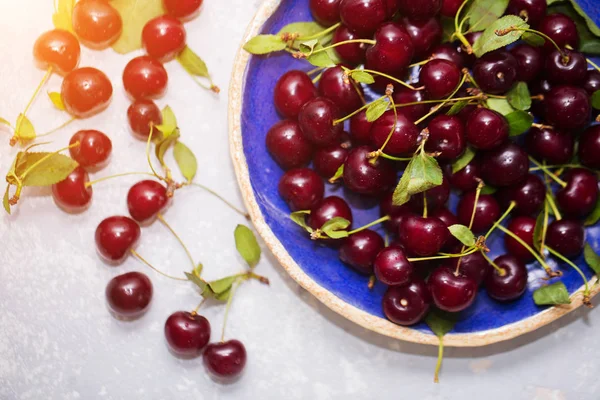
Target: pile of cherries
x,y
405,32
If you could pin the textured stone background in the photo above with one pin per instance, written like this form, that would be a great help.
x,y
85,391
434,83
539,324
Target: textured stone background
x,y
57,340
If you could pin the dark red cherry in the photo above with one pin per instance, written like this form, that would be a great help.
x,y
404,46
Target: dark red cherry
x,y
579,197
182,9
528,194
471,37
351,53
486,129
523,227
145,78
86,92
532,11
316,121
301,188
327,160
467,178
364,177
146,199
94,148
187,333
164,37
561,29
473,265
392,51
566,236
422,236
382,83
450,52
487,211
446,136
293,90
404,135
530,61
508,284
360,249
225,360
565,67
330,207
392,267
495,72
58,49
363,16
420,10
567,107
96,23
451,292
589,147
424,34
71,194
396,213
437,197
129,295
404,95
347,96
115,237
360,128
450,7
142,114
505,165
407,305
287,145
452,244
539,87
325,12
440,78
551,145
591,82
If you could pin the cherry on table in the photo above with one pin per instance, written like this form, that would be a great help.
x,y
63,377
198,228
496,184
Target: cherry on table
x,y
505,165
528,195
142,114
451,292
58,49
509,284
393,50
407,305
486,213
363,176
404,95
450,52
360,128
342,91
532,11
115,237
424,34
71,194
522,226
467,178
423,236
363,16
439,77
94,148
325,12
187,333
561,29
420,10
301,188
550,145
293,90
96,23
486,129
473,265
316,121
589,147
530,61
351,53
405,133
287,145
330,207
86,92
327,160
129,295
182,9
163,38
579,197
225,360
591,82
391,266
145,78
146,199
566,236
360,249
565,67
446,136
495,72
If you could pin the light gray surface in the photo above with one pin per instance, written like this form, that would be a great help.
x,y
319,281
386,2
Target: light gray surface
x,y
57,340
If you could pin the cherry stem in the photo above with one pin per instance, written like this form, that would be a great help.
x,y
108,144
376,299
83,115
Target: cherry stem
x,y
58,128
218,196
415,103
322,33
148,153
501,271
331,46
372,280
373,72
228,307
438,365
90,183
458,29
444,256
135,253
389,136
532,251
420,63
593,64
317,78
187,251
315,70
547,172
384,155
499,221
41,160
198,306
477,194
424,206
37,90
543,35
367,226
352,114
449,98
550,201
556,254
557,166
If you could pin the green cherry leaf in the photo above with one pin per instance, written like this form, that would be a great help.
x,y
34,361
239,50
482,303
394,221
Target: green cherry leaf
x,y
162,146
44,169
338,174
519,97
222,285
134,14
336,227
24,130
308,47
299,218
592,258
538,231
596,99
196,280
321,58
519,122
594,217
401,195
440,322
490,41
500,105
376,109
553,294
193,63
422,173
457,107
447,29
5,199
463,234
264,44
482,13
198,270
532,39
56,100
169,122
186,160
224,296
487,189
62,17
301,28
363,77
462,161
247,245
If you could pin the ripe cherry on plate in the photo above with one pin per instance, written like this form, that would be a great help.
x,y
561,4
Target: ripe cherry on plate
x,y
407,305
86,92
509,283
330,207
287,145
450,291
301,188
292,91
145,78
360,249
391,266
96,23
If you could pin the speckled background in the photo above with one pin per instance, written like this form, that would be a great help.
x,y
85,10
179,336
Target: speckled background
x,y
57,340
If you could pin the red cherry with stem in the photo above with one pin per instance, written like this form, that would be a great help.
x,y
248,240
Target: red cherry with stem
x,y
187,333
360,128
591,82
420,10
486,129
71,194
96,23
505,165
225,360
424,34
360,249
301,188
578,198
423,236
129,295
407,305
467,178
344,92
58,49
473,265
452,245
351,53
536,88
94,148
450,7
404,95
439,77
446,136
567,107
363,16
142,114
145,78
450,52
327,160
404,135
533,11
86,92
528,195
391,266
316,121
486,212
495,72
551,145
451,292
565,67
396,213
164,37
382,83
471,37
115,237
392,51
561,29
292,91
146,199
330,207
182,9
287,145
325,12
530,61
437,197
510,282
523,227
589,147
363,176
566,236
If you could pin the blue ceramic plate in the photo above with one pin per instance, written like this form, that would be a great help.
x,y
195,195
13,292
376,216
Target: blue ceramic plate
x,y
316,267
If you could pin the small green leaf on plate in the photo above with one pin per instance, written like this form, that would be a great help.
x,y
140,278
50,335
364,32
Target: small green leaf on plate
x,y
186,160
338,174
490,40
336,227
5,199
592,258
246,245
519,122
264,44
500,105
594,217
463,234
487,189
553,294
519,97
538,231
363,77
421,173
482,13
457,107
376,109
299,217
320,58
596,99
134,14
193,63
301,28
462,161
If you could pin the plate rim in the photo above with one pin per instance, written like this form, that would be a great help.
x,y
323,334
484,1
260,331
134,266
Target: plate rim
x,y
339,306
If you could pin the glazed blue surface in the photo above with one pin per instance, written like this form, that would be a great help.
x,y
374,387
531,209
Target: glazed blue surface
x,y
321,263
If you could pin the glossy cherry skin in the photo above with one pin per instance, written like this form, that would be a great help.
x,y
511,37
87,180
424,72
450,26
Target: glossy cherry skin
x,y
71,194
579,197
566,236
528,194
392,51
86,92
450,52
129,295
330,207
351,53
533,11
364,177
182,9
550,145
589,147
225,360
495,72
424,34
396,213
316,121
301,188
164,38
146,199
145,78
360,128
363,16
404,136
471,37
115,237
561,29
446,136
187,333
487,211
407,305
567,107
565,67
437,197
439,77
505,165
142,114
327,160
420,10
486,129
474,265
293,90
391,266
450,292
467,178
360,249
325,12
591,82
347,96
422,236
58,49
404,95
287,145
96,23
523,227
509,285
537,87
94,148
530,61
450,7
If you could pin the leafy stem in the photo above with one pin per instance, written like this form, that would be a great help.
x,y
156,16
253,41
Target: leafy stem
x,y
444,256
300,54
586,291
370,224
499,221
550,201
502,32
449,98
352,114
500,270
548,172
373,72
458,29
322,33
